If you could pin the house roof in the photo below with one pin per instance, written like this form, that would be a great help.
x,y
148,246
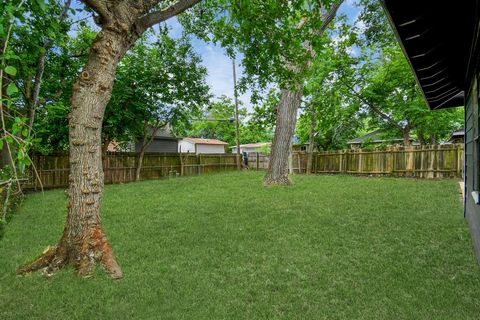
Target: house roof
x,y
458,133
374,136
162,133
206,141
254,145
439,39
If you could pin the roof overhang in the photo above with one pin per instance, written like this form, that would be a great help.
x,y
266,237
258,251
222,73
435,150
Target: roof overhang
x,y
439,39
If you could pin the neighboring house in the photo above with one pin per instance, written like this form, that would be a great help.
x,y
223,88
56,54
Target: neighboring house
x,y
442,43
252,147
198,146
297,145
114,147
300,146
375,138
457,136
163,141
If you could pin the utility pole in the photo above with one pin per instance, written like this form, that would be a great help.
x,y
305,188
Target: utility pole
x,y
237,123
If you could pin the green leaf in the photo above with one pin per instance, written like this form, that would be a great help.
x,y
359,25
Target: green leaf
x,y
25,132
10,56
42,5
20,154
11,70
11,89
1,145
21,167
27,161
15,128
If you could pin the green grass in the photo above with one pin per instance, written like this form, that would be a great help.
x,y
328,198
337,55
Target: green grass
x,y
224,247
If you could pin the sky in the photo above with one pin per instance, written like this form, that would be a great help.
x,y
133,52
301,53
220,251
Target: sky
x,y
219,66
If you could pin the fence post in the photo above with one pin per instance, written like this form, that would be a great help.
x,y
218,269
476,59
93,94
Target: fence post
x,y
197,156
340,167
409,160
422,156
299,163
290,162
459,153
360,164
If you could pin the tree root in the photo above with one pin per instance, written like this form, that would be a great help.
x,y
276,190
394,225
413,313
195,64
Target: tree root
x,y
280,181
41,262
83,255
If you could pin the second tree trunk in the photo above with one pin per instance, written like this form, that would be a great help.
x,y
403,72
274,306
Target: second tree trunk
x,y
277,173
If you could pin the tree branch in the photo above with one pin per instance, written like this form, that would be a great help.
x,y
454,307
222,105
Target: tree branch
x,y
41,68
327,17
101,7
156,17
374,108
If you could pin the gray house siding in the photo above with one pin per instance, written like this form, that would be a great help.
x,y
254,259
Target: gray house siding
x,y
472,174
160,145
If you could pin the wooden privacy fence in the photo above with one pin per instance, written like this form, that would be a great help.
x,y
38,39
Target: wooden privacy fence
x,y
119,167
435,161
442,161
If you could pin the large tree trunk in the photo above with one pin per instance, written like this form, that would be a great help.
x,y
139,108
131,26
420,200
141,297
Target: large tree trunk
x,y
290,101
311,139
83,242
277,173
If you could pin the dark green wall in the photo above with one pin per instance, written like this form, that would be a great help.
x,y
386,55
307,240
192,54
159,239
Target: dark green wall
x,y
472,174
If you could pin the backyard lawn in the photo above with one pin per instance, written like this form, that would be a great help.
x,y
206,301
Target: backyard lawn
x,y
223,246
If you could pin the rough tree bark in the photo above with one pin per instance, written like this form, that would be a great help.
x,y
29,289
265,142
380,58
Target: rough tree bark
x,y
282,140
84,243
290,100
